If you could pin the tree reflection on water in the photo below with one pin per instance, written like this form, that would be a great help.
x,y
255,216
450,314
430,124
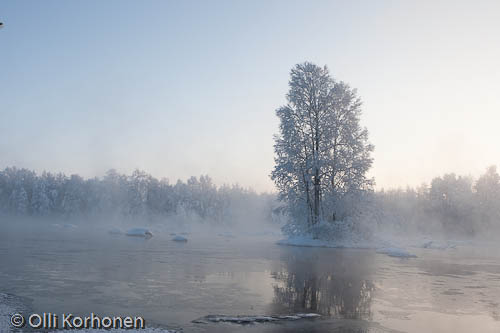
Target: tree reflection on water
x,y
331,282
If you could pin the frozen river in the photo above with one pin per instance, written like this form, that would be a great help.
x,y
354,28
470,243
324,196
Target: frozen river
x,y
174,285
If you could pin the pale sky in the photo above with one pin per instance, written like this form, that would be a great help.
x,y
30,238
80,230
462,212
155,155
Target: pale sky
x,y
182,88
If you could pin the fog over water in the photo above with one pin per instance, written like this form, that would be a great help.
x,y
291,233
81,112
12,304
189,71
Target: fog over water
x,y
173,284
251,166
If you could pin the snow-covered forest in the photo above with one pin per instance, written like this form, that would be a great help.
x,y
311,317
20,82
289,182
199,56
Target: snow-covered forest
x,y
135,196
450,204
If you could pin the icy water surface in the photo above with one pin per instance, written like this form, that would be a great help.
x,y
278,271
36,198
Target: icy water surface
x,y
174,285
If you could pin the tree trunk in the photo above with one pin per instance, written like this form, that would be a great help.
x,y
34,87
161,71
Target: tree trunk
x,y
316,196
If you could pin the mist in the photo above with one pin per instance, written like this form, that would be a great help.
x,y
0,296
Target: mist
x,y
221,166
124,201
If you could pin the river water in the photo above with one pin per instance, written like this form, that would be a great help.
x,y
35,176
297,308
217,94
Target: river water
x,y
173,285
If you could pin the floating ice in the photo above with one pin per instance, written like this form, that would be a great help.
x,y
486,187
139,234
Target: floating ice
x,y
396,252
254,319
139,232
179,238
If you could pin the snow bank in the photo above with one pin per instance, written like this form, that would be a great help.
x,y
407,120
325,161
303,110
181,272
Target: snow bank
x,y
179,238
350,243
139,232
396,252
254,319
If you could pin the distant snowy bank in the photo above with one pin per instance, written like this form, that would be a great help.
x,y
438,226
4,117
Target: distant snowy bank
x,y
380,246
339,234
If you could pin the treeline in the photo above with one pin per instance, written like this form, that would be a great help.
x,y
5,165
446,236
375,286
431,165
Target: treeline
x,y
139,195
453,204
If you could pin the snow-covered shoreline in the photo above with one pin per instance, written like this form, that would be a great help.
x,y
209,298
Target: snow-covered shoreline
x,y
382,247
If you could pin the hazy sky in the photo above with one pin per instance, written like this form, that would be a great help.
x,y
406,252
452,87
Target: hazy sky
x,y
181,88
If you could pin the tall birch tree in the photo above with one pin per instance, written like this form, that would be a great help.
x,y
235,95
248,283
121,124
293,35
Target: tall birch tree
x,y
322,154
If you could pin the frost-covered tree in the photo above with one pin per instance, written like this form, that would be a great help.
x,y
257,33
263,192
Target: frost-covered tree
x,y
488,197
322,154
137,191
19,199
73,199
452,201
40,202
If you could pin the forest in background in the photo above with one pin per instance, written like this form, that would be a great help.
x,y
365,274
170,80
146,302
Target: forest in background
x,y
137,196
451,204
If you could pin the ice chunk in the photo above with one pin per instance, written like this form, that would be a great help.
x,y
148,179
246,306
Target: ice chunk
x,y
243,319
308,315
139,232
396,252
179,238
